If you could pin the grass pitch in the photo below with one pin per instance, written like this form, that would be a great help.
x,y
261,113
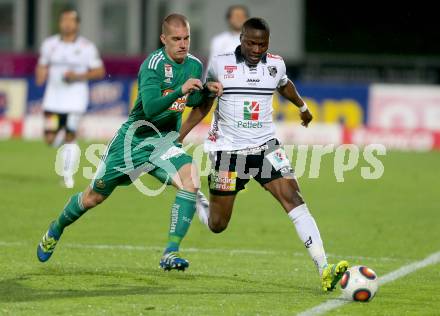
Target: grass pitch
x,y
107,262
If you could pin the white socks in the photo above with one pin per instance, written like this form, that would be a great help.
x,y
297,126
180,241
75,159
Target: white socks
x,y
59,139
70,157
202,208
308,232
302,219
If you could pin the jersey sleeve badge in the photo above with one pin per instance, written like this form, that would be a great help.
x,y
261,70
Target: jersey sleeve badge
x,y
272,70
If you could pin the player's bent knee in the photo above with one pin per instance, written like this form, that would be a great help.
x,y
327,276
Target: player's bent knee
x,y
297,199
190,187
70,137
188,184
290,199
92,199
49,138
217,225
187,178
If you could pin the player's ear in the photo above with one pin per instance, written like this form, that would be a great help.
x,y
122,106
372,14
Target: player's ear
x,y
162,38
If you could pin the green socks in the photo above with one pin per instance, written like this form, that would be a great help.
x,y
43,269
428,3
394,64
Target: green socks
x,y
182,213
71,212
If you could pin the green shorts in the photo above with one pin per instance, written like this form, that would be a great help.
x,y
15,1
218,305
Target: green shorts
x,y
122,164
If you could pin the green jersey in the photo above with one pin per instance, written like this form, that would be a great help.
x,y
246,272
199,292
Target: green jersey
x,y
160,100
152,126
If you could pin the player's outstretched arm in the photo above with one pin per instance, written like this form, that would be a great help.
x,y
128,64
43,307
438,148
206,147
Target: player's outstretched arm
x,y
195,117
290,93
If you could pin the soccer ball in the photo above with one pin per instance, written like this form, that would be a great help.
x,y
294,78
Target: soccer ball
x,y
359,283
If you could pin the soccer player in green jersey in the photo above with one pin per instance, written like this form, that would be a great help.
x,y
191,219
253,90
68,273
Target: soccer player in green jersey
x,y
169,80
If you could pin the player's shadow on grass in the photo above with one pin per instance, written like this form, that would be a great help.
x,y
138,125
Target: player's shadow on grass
x,y
13,290
71,285
24,178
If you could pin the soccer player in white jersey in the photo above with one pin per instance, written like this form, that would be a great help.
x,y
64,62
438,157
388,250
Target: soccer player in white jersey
x,y
242,143
67,61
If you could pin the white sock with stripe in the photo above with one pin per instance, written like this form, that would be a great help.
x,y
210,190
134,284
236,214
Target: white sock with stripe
x,y
70,156
309,234
59,139
202,208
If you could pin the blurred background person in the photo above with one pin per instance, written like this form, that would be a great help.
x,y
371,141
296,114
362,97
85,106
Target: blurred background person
x,y
66,62
228,40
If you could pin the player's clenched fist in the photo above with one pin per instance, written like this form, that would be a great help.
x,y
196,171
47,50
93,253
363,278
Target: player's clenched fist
x,y
192,85
215,88
306,118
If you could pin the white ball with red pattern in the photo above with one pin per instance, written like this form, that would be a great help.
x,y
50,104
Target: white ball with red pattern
x,y
359,283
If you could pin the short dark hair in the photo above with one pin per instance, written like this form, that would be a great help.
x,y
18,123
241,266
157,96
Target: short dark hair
x,y
236,7
175,19
68,9
256,24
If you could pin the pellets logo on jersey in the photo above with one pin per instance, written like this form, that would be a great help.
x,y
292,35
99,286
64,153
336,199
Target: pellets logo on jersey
x,y
251,110
168,70
230,71
179,104
251,115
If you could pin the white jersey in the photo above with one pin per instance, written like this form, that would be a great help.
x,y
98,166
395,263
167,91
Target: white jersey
x,y
78,56
224,42
243,117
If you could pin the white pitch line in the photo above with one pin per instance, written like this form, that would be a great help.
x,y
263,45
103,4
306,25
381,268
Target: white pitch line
x,y
389,277
207,250
363,258
158,248
11,243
